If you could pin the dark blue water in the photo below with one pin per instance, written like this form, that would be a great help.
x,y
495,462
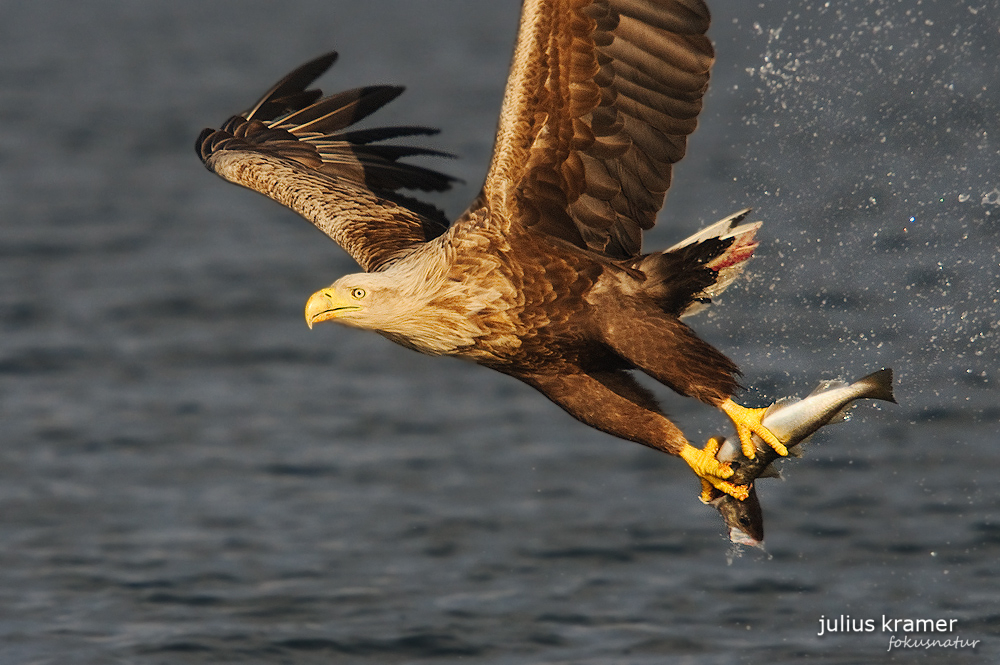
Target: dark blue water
x,y
189,475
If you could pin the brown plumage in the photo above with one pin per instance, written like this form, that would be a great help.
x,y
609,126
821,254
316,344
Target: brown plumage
x,y
543,277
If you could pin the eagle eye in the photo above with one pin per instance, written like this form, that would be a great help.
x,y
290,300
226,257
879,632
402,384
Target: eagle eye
x,y
357,294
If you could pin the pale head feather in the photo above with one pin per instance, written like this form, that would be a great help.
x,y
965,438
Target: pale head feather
x,y
423,302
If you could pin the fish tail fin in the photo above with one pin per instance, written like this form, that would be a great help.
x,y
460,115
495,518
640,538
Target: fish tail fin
x,y
878,385
685,278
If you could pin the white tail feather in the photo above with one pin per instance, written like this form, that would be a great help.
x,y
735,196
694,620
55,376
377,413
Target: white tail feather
x,y
731,263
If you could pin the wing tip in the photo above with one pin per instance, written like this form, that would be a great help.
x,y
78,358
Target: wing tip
x,y
199,144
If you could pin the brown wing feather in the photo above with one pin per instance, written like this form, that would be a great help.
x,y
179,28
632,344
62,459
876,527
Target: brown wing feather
x,y
601,98
291,146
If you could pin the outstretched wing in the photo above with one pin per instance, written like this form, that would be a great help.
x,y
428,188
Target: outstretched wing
x,y
601,98
292,147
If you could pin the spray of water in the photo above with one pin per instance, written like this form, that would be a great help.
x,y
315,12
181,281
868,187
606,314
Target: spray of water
x,y
875,153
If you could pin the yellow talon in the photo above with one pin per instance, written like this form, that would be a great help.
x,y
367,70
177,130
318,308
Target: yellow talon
x,y
711,472
708,491
747,423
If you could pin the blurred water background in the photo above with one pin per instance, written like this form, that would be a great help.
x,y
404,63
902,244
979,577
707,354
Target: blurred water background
x,y
189,475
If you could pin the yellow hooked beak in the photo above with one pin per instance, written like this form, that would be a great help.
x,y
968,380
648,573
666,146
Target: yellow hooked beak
x,y
325,305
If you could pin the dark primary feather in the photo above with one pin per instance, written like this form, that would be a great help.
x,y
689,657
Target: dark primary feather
x,y
310,135
339,110
290,92
294,122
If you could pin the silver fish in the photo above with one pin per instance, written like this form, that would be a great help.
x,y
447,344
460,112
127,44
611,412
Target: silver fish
x,y
793,421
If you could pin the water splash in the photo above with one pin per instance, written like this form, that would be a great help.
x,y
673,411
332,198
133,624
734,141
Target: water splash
x,y
875,131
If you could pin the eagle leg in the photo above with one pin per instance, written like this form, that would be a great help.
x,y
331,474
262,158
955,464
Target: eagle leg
x,y
711,472
613,402
747,423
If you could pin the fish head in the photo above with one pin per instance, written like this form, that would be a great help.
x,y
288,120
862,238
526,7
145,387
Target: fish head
x,y
744,518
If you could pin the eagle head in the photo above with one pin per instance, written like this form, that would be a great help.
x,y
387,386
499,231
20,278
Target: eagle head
x,y
353,300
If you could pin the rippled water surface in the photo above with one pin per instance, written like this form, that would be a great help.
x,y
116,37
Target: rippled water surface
x,y
189,475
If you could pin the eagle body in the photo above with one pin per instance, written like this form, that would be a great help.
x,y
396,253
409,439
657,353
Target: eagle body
x,y
543,278
540,309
